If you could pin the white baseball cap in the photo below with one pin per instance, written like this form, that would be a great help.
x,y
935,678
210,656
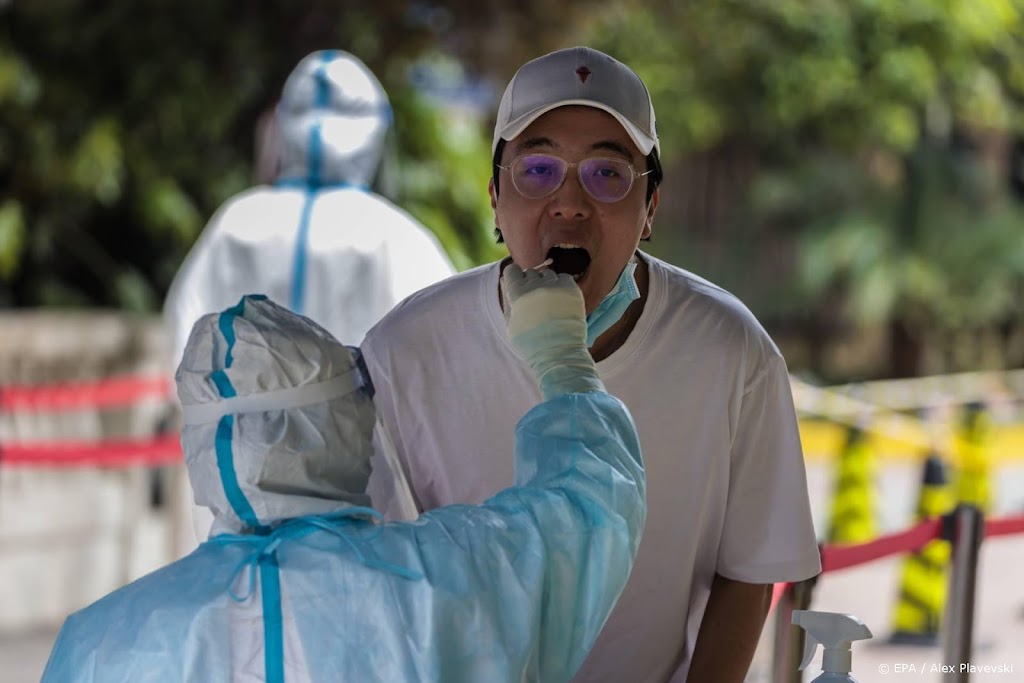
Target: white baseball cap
x,y
577,75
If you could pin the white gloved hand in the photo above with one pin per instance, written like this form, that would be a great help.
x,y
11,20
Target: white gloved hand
x,y
547,325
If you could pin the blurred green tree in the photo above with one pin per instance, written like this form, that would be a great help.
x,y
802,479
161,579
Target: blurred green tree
x,y
839,163
833,163
124,125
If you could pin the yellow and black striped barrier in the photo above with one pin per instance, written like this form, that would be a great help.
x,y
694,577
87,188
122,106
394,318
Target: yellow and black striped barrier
x,y
917,617
897,441
974,458
854,501
878,408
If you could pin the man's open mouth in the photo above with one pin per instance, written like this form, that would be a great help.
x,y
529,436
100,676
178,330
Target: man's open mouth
x,y
569,258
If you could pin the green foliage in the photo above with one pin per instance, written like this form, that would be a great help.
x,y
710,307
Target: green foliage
x,y
874,128
96,165
845,72
12,238
941,257
106,137
867,135
124,125
442,176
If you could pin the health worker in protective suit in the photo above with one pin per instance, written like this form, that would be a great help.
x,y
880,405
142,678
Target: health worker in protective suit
x,y
300,581
318,241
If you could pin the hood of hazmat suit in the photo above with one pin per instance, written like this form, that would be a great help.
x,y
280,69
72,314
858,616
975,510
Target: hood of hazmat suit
x,y
333,116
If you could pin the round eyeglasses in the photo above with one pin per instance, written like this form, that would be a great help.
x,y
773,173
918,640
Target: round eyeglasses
x,y
604,178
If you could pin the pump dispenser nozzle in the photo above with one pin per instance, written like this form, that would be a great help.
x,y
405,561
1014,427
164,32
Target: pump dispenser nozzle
x,y
835,632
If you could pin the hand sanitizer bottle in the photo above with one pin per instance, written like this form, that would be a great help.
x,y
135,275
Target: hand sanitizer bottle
x,y
835,632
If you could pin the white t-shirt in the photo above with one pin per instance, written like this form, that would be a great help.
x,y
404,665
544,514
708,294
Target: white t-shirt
x,y
709,392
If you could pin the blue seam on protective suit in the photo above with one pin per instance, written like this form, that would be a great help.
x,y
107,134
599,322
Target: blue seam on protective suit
x,y
314,172
314,154
323,86
273,628
225,323
273,639
223,440
304,183
314,161
298,293
228,477
321,99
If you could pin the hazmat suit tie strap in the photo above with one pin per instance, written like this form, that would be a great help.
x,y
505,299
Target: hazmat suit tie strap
x,y
265,545
264,557
325,523
281,399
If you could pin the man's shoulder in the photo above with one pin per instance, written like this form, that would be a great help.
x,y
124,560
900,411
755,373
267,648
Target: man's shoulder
x,y
453,296
458,289
694,302
680,283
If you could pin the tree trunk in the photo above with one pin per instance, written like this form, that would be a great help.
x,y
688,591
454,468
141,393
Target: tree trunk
x,y
905,351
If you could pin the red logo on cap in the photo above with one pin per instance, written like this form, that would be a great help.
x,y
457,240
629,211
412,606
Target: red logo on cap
x,y
583,72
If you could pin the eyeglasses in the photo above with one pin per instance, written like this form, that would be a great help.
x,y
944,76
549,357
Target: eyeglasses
x,y
605,179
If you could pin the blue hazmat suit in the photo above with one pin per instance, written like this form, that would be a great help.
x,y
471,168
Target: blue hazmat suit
x,y
300,581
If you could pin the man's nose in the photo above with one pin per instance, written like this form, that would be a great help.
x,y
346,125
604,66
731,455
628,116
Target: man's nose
x,y
570,201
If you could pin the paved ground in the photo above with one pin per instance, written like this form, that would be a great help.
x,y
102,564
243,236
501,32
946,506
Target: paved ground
x,y
869,591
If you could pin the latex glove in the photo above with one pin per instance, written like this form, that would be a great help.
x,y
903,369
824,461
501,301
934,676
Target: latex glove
x,y
547,325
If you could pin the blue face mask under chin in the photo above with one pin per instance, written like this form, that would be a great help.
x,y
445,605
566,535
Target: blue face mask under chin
x,y
611,308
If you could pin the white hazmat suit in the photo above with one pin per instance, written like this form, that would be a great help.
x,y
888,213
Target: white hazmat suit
x,y
299,581
318,241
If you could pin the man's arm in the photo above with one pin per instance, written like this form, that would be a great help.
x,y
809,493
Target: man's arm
x,y
768,499
729,631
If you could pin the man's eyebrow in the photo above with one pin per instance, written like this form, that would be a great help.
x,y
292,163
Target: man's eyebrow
x,y
533,143
613,146
601,145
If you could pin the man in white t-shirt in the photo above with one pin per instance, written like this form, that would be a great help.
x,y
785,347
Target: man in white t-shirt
x,y
576,171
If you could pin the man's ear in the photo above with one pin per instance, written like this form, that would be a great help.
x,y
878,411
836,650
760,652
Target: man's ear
x,y
494,206
499,238
652,206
